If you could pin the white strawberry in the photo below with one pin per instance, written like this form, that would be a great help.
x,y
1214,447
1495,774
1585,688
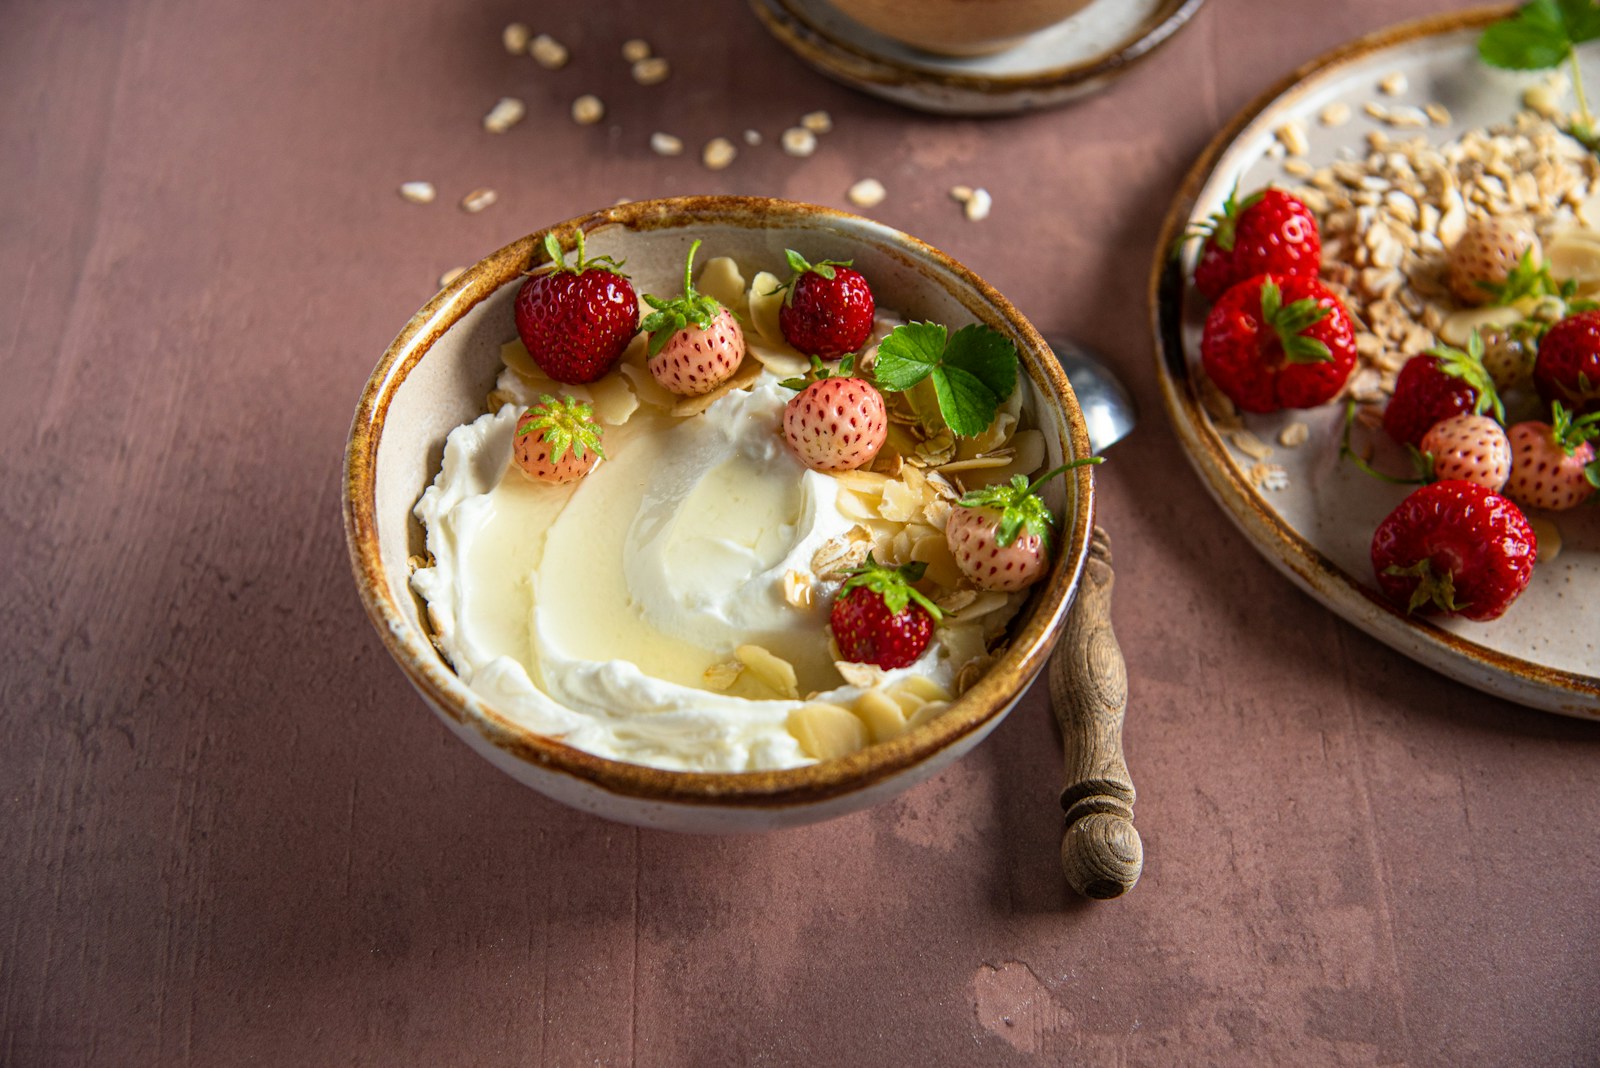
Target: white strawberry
x,y
1000,535
695,343
1486,255
836,422
1469,447
557,440
698,359
1553,464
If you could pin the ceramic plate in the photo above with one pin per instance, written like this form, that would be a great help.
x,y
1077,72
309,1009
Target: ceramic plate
x,y
1317,528
1053,66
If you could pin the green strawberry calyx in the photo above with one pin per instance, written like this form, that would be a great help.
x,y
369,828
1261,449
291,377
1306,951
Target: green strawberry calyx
x,y
558,258
1569,431
1219,226
893,584
562,424
1021,507
1435,588
819,371
799,266
670,316
1468,366
1291,321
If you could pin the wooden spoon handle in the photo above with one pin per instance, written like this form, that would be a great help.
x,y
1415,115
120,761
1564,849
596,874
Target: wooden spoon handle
x,y
1101,852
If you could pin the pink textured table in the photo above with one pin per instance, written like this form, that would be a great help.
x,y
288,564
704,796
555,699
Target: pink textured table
x,y
233,835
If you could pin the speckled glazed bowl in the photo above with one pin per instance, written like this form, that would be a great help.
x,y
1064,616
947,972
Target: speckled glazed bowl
x,y
434,377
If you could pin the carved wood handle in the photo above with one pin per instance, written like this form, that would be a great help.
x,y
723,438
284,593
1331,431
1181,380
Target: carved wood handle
x,y
1101,852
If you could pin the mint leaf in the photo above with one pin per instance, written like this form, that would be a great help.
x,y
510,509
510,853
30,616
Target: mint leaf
x,y
908,355
972,371
1534,38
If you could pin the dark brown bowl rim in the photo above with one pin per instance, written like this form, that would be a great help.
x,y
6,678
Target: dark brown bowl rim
x,y
1579,694
988,699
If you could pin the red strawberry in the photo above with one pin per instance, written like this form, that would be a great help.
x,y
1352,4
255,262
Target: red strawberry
x,y
1000,535
1455,548
1469,447
1553,465
1273,343
575,321
695,343
1269,232
1568,366
878,618
1435,385
828,309
557,440
1483,259
836,422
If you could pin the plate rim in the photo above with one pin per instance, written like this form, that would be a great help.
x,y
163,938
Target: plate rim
x,y
874,73
1492,671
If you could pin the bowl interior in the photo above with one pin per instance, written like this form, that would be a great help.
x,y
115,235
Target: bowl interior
x,y
439,371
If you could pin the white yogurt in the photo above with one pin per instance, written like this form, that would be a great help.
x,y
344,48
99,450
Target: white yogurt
x,y
591,612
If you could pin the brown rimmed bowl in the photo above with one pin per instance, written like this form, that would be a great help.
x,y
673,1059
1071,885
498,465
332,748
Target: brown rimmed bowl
x,y
434,377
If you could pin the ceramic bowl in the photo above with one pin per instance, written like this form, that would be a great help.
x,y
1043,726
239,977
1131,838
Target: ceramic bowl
x,y
434,377
958,27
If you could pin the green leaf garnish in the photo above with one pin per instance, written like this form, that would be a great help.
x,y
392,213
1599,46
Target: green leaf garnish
x,y
1543,34
893,584
1021,507
562,424
973,370
679,313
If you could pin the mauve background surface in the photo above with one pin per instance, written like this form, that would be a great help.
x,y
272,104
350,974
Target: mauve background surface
x,y
233,835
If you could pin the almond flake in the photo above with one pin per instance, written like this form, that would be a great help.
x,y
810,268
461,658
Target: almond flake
x,y
477,200
718,153
664,144
799,141
867,193
651,71
506,113
818,122
588,110
548,52
634,49
418,192
515,37
451,275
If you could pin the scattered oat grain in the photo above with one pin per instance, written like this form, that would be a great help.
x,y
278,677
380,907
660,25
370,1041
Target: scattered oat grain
x,y
548,52
718,153
588,110
799,141
634,49
1249,444
418,192
506,113
1269,477
515,37
477,200
1294,435
1376,110
1394,84
961,193
818,122
1292,135
1335,114
664,144
1299,168
1438,113
752,137
451,275
652,70
867,193
978,205
1547,536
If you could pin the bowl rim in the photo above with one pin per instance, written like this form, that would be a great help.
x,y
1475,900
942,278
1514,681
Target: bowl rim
x,y
989,698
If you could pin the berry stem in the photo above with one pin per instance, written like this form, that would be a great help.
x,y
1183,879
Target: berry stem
x,y
1577,90
1082,461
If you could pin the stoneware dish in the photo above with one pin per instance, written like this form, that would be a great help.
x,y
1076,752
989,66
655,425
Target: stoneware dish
x,y
435,377
1053,65
1317,526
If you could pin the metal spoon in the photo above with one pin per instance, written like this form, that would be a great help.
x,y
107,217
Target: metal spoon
x,y
1101,853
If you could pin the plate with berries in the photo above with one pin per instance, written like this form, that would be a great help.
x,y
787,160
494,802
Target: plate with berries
x,y
1377,311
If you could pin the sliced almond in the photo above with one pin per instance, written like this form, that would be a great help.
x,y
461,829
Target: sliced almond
x,y
774,672
827,731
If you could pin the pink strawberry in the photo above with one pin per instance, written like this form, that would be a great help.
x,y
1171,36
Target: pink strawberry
x,y
836,422
828,310
1469,447
557,440
575,321
1486,255
1553,464
1000,535
879,618
695,343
